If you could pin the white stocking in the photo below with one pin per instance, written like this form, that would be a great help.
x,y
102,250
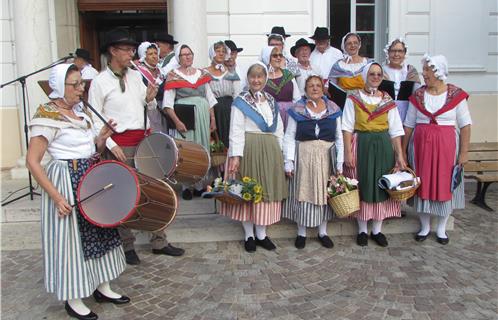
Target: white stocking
x,y
301,230
78,306
261,232
322,229
105,289
441,226
248,229
425,224
362,226
376,226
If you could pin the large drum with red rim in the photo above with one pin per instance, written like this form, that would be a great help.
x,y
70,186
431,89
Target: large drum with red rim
x,y
112,194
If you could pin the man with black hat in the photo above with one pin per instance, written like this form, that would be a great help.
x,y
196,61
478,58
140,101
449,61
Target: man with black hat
x,y
231,63
302,51
276,38
324,56
119,93
166,44
82,61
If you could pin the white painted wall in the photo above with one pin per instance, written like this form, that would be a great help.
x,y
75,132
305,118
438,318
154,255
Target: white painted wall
x,y
7,62
248,22
464,31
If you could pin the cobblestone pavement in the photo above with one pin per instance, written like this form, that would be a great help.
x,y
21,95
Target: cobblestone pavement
x,y
407,280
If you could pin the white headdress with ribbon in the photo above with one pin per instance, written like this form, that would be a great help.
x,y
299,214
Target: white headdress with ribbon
x,y
439,64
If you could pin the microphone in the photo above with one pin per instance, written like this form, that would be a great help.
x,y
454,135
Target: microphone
x,y
69,56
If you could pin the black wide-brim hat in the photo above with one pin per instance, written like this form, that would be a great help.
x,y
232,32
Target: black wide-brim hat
x,y
117,36
83,53
321,33
164,37
232,46
301,43
278,30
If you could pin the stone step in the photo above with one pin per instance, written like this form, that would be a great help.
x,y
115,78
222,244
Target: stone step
x,y
210,228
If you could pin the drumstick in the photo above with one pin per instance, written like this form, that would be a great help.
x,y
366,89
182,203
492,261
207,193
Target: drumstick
x,y
110,185
98,115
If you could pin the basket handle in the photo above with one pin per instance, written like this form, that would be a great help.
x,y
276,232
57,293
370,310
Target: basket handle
x,y
410,170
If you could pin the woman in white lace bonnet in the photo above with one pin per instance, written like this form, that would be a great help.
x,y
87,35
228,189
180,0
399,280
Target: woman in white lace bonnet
x,y
437,136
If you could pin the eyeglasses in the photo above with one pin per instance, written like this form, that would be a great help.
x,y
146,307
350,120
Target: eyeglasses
x,y
373,74
186,54
129,49
277,55
397,51
76,85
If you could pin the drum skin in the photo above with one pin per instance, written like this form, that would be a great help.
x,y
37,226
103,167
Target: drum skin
x,y
163,157
135,200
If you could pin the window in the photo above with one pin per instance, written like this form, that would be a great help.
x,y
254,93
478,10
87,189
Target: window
x,y
368,18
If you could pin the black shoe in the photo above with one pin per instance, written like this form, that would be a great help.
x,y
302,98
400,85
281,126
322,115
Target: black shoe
x,y
169,250
132,258
198,193
362,239
99,297
74,314
266,243
421,238
379,238
187,194
326,241
443,241
250,245
300,242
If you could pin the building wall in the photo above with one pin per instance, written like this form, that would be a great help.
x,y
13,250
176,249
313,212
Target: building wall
x,y
248,22
10,130
466,33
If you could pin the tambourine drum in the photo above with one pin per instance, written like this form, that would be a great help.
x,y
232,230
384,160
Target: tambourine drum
x,y
112,194
163,157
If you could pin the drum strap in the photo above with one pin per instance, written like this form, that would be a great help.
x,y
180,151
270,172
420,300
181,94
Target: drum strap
x,y
145,117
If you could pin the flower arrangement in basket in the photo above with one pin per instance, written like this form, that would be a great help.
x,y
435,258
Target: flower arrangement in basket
x,y
344,197
235,191
218,151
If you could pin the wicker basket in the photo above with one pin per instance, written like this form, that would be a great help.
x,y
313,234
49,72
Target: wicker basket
x,y
345,204
229,198
401,195
217,158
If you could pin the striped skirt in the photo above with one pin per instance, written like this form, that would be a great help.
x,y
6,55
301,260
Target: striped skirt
x,y
264,162
433,207
310,213
371,210
67,273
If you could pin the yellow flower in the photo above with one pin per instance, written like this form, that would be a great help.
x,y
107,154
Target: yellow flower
x,y
258,188
246,196
258,198
246,179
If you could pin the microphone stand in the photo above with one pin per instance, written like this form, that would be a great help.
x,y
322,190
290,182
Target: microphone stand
x,y
22,80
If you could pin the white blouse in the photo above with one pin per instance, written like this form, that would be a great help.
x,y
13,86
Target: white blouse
x,y
240,124
393,118
305,73
289,143
126,108
170,94
325,61
459,116
68,143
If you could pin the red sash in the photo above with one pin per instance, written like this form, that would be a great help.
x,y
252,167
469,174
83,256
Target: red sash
x,y
454,97
130,138
378,112
177,82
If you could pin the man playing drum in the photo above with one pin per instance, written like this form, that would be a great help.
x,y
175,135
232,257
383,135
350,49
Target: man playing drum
x,y
119,93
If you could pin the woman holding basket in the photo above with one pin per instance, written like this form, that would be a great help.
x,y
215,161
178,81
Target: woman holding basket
x,y
256,133
372,131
